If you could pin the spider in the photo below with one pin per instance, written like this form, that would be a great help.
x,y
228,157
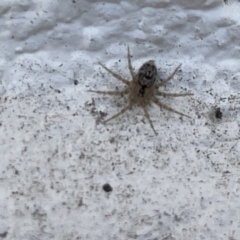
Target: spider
x,y
142,89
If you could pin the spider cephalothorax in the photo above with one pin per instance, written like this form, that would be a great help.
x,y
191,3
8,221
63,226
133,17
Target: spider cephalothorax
x,y
142,89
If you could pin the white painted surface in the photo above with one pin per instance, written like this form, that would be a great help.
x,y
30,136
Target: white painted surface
x,y
55,155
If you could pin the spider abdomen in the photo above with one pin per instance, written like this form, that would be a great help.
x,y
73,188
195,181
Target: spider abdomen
x,y
147,74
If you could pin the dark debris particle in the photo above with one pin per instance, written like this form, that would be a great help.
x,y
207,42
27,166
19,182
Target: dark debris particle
x,y
107,187
80,203
4,234
75,82
218,113
112,140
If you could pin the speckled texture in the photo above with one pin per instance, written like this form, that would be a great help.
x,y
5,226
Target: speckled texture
x,y
55,153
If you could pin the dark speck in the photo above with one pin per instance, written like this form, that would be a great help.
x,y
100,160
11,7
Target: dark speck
x,y
75,82
4,234
218,113
107,187
80,203
112,140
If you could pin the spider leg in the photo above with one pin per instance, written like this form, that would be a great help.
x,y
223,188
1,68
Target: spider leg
x,y
110,92
166,94
148,118
168,79
119,113
115,75
130,65
162,105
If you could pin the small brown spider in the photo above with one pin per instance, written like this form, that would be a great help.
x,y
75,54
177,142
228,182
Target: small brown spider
x,y
141,89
